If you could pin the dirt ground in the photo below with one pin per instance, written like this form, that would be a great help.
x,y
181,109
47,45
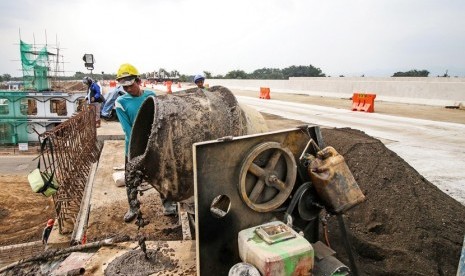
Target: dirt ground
x,y
109,221
405,227
23,214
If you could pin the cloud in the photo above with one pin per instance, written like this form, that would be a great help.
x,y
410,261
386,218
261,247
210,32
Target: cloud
x,y
340,37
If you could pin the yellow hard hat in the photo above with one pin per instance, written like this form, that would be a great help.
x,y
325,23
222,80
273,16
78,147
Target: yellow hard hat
x,y
126,70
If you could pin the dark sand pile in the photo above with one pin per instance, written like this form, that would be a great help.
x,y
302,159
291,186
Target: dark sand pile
x,y
406,226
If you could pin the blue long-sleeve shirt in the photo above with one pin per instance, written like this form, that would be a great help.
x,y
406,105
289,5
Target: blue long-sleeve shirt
x,y
94,91
127,107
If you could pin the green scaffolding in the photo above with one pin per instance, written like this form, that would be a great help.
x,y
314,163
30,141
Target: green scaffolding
x,y
13,118
35,66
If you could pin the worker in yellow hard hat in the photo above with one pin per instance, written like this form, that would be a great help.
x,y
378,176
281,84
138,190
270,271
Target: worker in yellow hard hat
x,y
127,106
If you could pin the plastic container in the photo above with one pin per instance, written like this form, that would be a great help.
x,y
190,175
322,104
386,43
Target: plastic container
x,y
276,249
334,182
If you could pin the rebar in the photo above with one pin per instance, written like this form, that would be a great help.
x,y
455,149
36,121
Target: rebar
x,y
74,150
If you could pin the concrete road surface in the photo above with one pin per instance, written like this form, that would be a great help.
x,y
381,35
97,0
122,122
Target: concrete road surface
x,y
17,164
435,149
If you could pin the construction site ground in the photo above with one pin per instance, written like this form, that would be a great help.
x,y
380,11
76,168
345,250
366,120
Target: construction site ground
x,y
407,226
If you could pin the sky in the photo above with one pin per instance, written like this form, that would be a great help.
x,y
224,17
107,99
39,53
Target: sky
x,y
341,37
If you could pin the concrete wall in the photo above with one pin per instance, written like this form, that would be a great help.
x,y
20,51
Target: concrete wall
x,y
428,91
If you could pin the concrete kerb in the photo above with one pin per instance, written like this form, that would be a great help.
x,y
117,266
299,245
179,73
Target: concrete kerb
x,y
84,210
404,100
58,240
422,91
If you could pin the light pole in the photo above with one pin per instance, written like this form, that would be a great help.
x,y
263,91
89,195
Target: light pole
x,y
89,62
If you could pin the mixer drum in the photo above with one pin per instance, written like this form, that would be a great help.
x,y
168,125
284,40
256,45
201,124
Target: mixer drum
x,y
167,126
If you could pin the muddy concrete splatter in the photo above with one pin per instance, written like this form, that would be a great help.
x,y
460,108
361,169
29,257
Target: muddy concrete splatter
x,y
133,179
135,263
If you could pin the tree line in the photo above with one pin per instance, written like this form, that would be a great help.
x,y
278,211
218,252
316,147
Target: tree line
x,y
263,74
272,73
412,73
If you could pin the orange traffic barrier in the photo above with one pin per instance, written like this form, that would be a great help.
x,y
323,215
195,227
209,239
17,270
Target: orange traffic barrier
x,y
168,87
112,83
363,102
265,93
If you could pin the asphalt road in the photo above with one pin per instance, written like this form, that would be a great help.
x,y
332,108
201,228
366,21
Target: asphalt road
x,y
17,164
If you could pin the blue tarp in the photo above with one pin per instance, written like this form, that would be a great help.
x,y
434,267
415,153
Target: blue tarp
x,y
110,99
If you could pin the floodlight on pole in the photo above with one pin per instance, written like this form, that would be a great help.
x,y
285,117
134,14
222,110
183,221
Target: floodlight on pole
x,y
89,61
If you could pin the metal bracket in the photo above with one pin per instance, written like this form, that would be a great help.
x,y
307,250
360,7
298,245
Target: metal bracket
x,y
217,168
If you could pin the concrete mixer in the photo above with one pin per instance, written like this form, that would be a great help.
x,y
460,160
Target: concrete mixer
x,y
166,127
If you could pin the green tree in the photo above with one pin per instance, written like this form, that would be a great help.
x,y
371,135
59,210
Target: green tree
x,y
185,78
302,71
207,74
6,77
267,73
412,73
79,75
237,74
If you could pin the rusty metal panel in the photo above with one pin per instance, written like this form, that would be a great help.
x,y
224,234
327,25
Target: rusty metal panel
x,y
74,150
217,171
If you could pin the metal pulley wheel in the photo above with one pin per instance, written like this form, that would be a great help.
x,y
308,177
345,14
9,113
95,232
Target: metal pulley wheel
x,y
267,176
305,200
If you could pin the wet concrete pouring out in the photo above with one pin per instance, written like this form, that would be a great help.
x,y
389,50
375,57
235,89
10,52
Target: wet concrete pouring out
x,y
134,178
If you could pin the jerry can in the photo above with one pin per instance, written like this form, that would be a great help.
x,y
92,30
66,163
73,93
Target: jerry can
x,y
334,181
